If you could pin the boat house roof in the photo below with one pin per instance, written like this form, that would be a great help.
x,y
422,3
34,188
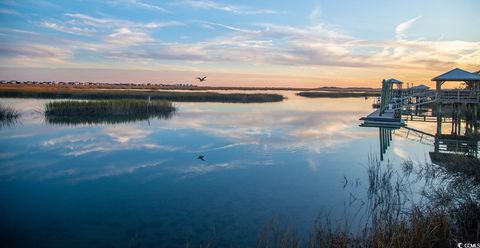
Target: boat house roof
x,y
394,81
457,75
420,87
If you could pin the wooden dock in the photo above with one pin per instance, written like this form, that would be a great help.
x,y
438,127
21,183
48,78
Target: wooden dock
x,y
386,119
460,107
396,101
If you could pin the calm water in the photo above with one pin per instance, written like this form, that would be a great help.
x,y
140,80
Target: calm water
x,y
141,184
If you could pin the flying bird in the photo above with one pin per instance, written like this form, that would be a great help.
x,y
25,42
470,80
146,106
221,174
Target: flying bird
x,y
202,78
201,157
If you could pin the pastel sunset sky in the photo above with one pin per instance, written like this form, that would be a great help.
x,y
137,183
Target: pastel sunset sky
x,y
306,43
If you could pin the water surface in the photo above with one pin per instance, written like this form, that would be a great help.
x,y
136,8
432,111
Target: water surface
x,y
140,183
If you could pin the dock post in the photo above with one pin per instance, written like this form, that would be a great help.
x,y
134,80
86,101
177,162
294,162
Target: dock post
x,y
454,127
380,132
475,118
439,119
459,118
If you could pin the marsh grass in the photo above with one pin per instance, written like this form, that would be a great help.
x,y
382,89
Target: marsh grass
x,y
89,94
458,164
447,212
333,94
106,111
8,115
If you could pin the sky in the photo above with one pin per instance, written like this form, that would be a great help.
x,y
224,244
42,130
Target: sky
x,y
308,43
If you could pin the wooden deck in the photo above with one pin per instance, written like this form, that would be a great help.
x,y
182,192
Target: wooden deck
x,y
387,119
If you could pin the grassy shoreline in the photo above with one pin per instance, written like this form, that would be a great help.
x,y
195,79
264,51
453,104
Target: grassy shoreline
x,y
194,88
94,94
337,94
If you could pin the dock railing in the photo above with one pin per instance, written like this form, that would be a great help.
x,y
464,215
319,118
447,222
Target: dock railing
x,y
458,96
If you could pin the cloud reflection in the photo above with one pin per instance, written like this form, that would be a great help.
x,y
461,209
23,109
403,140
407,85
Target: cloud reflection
x,y
301,130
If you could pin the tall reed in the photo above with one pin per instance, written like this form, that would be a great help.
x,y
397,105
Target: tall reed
x,y
8,115
448,211
106,111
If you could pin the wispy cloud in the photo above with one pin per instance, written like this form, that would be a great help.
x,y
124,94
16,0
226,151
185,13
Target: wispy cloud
x,y
314,46
69,30
140,4
31,54
87,20
210,24
148,5
8,12
267,43
14,30
113,31
126,37
235,9
315,14
402,28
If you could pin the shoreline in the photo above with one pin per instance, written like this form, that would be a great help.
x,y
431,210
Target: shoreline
x,y
176,93
192,88
50,92
336,94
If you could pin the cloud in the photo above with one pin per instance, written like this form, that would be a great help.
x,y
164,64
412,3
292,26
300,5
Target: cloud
x,y
312,47
209,25
70,30
8,12
235,9
402,28
268,44
91,21
86,20
126,37
166,24
315,13
147,5
14,30
27,54
140,4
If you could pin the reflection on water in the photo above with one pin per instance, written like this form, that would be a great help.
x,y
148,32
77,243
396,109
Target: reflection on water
x,y
8,116
91,120
9,122
385,134
109,184
460,140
